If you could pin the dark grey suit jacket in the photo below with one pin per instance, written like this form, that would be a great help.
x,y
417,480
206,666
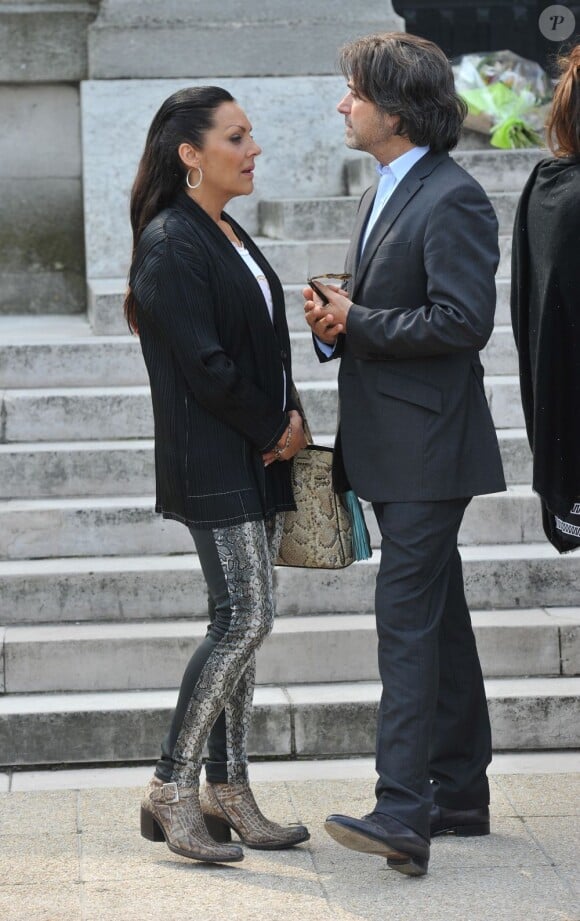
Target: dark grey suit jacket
x,y
414,419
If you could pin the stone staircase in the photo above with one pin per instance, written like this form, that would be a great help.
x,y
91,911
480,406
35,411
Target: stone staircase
x,y
103,602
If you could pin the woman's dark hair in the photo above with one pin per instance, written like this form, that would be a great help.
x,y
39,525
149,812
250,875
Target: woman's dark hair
x,y
563,127
410,77
184,117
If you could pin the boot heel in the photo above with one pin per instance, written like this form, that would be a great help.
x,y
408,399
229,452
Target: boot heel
x,y
467,831
220,831
150,828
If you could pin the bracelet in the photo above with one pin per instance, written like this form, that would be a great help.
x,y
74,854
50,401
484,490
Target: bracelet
x,y
279,451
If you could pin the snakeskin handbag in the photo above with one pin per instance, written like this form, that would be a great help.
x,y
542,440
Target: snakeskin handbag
x,y
327,530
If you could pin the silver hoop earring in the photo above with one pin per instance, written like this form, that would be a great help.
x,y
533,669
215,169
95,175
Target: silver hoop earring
x,y
197,184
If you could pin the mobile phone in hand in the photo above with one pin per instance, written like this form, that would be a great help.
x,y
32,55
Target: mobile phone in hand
x,y
315,288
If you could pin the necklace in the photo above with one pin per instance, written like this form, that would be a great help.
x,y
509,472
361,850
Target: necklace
x,y
228,231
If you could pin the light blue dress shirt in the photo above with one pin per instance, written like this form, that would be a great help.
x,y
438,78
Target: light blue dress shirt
x,y
390,177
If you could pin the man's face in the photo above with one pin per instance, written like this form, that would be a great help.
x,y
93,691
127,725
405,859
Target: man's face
x,y
367,127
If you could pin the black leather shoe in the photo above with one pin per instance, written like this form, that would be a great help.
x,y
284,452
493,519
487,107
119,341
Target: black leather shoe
x,y
384,836
464,823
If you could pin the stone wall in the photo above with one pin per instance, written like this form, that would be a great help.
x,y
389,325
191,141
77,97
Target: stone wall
x,y
294,120
195,38
47,49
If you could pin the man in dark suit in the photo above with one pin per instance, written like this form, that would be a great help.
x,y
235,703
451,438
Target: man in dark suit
x,y
416,436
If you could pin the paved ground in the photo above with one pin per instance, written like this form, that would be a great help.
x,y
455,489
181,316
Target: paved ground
x,y
70,850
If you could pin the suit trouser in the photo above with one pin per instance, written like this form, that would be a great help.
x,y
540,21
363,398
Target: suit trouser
x,y
217,688
433,735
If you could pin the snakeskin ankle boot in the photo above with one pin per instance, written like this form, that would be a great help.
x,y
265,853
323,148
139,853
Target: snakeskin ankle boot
x,y
172,814
226,806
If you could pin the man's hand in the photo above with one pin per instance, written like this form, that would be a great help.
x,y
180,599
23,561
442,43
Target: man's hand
x,y
297,441
326,321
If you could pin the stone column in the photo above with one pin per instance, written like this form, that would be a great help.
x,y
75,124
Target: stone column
x,y
42,59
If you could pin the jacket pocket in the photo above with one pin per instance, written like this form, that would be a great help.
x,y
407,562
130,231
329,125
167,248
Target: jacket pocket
x,y
395,250
411,390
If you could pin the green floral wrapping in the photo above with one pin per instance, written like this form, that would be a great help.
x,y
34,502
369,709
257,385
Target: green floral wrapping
x,y
507,96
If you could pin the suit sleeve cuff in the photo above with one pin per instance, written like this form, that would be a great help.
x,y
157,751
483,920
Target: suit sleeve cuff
x,y
277,435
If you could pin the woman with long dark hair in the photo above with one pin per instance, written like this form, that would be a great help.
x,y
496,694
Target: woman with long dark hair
x,y
209,311
546,312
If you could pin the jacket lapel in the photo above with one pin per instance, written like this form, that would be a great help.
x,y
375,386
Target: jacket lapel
x,y
362,216
402,195
256,305
404,192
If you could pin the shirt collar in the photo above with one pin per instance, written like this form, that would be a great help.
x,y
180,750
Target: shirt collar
x,y
401,166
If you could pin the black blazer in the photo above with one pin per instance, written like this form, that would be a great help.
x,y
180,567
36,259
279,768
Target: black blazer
x,y
545,308
414,419
216,366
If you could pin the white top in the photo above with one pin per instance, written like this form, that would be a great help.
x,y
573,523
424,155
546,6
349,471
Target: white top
x,y
258,275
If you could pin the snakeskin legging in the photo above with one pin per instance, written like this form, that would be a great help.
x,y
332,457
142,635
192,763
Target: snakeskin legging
x,y
215,698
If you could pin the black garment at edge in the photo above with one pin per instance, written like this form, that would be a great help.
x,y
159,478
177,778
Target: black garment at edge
x,y
545,306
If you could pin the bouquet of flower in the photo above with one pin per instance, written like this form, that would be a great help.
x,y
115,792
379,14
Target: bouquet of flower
x,y
507,96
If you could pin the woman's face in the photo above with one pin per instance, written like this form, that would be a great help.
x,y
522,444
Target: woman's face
x,y
228,154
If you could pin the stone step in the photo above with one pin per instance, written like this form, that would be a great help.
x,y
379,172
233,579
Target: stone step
x,y
105,299
92,360
115,360
107,317
297,260
44,528
102,657
153,587
85,362
77,468
310,720
495,170
69,413
503,396
313,218
499,357
473,141
516,455
512,517
307,218
105,306
502,310
75,413
126,468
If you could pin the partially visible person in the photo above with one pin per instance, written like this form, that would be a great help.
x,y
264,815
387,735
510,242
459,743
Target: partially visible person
x,y
209,311
416,436
545,305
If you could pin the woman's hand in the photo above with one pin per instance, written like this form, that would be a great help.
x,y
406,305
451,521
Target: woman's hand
x,y
287,447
